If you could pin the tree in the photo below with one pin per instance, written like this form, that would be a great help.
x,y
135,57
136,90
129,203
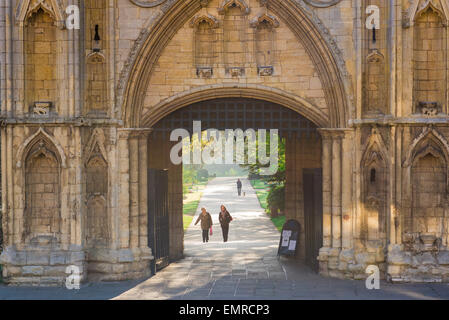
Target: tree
x,y
254,169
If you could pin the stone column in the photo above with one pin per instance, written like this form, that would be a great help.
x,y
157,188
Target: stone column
x,y
138,148
336,191
346,200
123,156
134,189
327,189
143,188
290,187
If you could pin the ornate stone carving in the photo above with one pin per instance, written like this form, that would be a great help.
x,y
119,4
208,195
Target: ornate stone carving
x,y
322,3
311,14
95,58
270,19
419,6
41,108
39,135
208,18
96,145
205,73
27,8
226,4
429,109
148,3
418,243
236,71
336,52
265,71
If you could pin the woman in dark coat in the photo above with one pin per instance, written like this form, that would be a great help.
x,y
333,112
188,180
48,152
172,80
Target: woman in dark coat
x,y
206,223
225,219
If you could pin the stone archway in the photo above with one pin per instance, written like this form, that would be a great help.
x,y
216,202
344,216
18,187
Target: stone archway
x,y
320,48
232,112
324,57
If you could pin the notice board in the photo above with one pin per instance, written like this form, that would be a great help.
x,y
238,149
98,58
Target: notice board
x,y
289,238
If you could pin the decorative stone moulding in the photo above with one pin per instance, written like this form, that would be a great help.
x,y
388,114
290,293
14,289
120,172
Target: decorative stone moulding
x,y
148,3
421,242
322,3
374,56
272,20
95,58
208,18
265,71
42,108
419,6
27,8
236,71
204,72
429,109
226,4
429,242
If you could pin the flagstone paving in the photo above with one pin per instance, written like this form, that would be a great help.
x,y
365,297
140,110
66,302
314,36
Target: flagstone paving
x,y
246,267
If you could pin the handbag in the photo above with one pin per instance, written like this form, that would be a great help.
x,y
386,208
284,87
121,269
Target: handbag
x,y
210,231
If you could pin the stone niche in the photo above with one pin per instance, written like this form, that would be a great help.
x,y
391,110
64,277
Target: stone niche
x,y
423,255
96,44
43,254
40,55
235,37
205,44
375,52
429,59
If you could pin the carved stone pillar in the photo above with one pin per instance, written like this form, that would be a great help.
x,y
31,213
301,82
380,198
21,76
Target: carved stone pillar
x,y
123,155
336,190
134,189
337,198
346,200
143,188
327,190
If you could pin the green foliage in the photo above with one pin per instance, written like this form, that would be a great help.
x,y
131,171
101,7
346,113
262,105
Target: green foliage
x,y
279,222
202,174
254,169
276,197
190,207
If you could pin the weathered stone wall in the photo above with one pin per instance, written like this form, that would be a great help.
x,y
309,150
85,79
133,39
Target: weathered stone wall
x,y
175,72
301,153
74,109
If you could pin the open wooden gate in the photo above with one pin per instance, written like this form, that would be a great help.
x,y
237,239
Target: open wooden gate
x,y
158,218
313,214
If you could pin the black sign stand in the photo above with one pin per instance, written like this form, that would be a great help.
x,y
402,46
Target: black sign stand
x,y
289,238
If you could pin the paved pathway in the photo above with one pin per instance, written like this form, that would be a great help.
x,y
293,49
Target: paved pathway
x,y
216,269
244,268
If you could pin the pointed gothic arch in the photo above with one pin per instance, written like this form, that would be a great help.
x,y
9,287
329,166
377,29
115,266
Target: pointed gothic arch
x,y
417,7
227,4
429,138
375,188
41,134
42,191
27,8
306,26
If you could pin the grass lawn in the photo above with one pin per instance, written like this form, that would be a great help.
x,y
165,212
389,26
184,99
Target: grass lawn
x,y
279,222
189,210
191,201
262,190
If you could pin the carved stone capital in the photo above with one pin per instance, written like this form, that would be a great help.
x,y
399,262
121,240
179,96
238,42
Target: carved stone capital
x,y
134,133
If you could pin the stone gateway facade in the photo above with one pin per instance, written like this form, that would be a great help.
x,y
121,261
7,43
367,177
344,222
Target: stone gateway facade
x,y
81,109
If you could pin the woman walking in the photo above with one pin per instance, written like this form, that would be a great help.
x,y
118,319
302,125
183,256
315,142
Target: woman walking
x,y
225,219
206,223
